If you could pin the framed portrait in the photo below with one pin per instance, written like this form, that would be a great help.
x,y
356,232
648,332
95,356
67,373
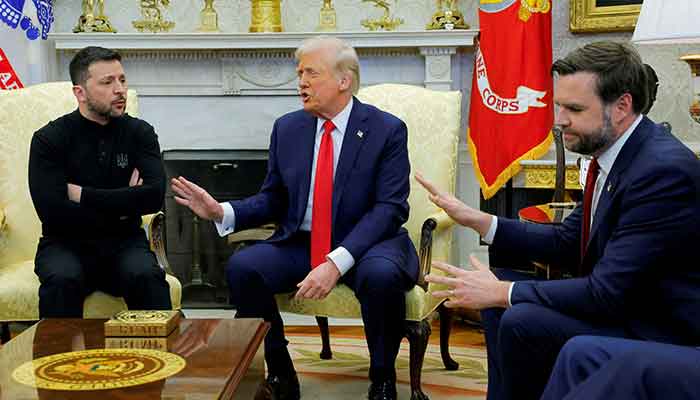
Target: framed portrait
x,y
603,15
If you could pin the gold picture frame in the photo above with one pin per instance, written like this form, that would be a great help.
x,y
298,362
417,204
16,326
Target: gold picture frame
x,y
603,15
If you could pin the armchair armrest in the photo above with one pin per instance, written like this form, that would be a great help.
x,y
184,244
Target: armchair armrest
x,y
153,225
2,220
254,234
436,222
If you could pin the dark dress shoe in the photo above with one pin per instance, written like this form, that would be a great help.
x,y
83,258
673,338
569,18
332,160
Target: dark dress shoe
x,y
384,390
279,388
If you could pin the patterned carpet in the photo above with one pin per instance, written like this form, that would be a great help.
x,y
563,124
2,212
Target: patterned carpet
x,y
345,376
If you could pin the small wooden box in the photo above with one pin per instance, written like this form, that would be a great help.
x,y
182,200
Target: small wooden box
x,y
148,343
142,323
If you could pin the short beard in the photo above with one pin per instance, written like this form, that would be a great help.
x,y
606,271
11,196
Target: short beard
x,y
106,112
600,139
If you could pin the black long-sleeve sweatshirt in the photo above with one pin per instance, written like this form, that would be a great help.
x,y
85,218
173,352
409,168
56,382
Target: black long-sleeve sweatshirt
x,y
101,159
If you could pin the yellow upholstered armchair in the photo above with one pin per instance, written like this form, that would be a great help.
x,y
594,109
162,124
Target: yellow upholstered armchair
x,y
22,112
433,120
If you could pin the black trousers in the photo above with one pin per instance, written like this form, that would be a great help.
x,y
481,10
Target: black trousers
x,y
258,272
71,269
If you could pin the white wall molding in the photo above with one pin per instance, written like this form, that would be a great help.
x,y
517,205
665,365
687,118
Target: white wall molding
x,y
257,41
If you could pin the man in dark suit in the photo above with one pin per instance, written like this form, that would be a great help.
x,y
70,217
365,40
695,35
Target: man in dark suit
x,y
595,367
630,241
337,186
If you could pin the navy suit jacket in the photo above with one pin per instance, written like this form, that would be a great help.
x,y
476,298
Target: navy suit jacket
x,y
642,250
370,188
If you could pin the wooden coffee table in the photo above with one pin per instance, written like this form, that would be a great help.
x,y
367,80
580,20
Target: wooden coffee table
x,y
224,359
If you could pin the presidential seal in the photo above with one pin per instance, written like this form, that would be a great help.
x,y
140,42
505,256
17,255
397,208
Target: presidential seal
x,y
143,316
98,369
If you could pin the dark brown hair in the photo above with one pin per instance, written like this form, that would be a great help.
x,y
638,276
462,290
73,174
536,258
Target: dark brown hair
x,y
84,58
618,67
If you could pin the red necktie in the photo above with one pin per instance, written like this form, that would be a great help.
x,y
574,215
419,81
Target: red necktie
x,y
323,199
591,176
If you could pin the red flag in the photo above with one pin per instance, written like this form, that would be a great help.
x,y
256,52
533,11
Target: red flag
x,y
8,78
511,113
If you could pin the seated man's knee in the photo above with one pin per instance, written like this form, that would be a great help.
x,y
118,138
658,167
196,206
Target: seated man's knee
x,y
519,319
146,273
582,349
69,278
241,270
380,275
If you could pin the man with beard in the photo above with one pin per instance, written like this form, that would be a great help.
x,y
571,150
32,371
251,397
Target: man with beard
x,y
92,174
626,247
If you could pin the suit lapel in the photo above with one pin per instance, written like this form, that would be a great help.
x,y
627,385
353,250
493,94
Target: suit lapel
x,y
307,130
622,162
352,142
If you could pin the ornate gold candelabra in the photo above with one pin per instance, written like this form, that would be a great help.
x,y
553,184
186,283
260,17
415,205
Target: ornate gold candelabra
x,y
327,18
265,16
385,22
153,20
447,17
94,20
209,20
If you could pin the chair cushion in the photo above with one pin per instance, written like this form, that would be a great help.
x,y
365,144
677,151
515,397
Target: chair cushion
x,y
342,303
19,295
19,292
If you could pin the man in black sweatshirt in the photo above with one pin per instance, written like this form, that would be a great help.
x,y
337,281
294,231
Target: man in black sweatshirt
x,y
92,174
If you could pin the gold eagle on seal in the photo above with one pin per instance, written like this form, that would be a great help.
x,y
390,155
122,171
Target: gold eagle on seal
x,y
529,7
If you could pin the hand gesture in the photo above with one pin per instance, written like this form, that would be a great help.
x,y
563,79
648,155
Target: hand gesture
x,y
196,199
457,210
476,289
319,282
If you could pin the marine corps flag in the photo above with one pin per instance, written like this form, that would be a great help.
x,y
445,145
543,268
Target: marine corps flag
x,y
511,113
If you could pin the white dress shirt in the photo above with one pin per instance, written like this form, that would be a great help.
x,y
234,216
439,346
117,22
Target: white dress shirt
x,y
606,161
341,257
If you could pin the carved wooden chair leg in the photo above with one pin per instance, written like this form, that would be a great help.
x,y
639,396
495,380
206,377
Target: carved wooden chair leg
x,y
446,316
417,334
5,336
326,353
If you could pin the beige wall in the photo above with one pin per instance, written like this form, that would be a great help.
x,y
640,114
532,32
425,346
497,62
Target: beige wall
x,y
674,94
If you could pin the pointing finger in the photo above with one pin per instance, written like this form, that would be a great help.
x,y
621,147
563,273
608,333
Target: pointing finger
x,y
426,184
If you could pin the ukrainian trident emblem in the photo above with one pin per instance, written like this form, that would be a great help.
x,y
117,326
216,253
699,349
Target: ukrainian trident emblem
x,y
12,13
122,160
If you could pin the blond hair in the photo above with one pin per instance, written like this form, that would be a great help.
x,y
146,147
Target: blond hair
x,y
345,62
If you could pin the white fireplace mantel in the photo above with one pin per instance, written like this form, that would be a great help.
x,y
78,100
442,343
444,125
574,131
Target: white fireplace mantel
x,y
257,63
257,41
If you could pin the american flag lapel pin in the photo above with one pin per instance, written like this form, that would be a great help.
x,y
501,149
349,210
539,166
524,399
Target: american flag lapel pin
x,y
360,134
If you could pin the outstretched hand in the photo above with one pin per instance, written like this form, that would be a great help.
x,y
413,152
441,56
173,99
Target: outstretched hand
x,y
476,289
456,209
196,199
